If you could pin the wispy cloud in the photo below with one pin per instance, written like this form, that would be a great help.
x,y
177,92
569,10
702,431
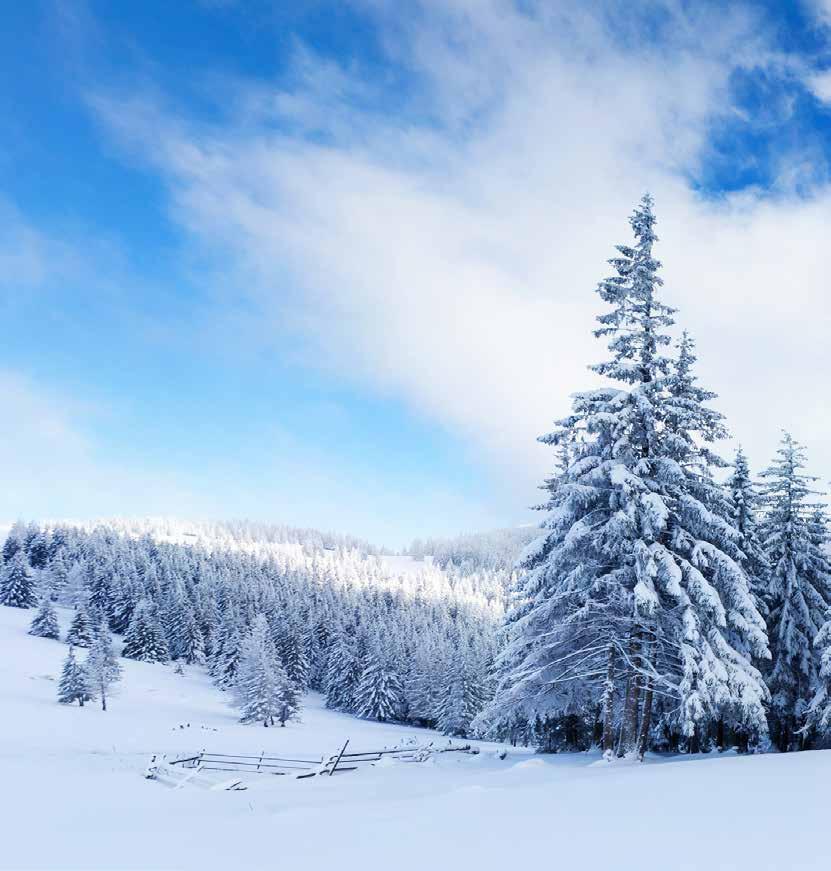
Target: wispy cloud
x,y
446,252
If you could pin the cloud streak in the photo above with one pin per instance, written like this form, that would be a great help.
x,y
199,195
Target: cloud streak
x,y
446,252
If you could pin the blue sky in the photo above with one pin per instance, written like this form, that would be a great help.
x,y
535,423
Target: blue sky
x,y
332,263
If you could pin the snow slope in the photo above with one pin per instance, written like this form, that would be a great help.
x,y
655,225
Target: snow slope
x,y
73,795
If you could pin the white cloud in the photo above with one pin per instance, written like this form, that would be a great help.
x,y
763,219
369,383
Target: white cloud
x,y
820,85
451,260
822,8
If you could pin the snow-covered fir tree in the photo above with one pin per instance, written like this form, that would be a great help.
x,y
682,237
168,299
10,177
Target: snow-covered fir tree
x,y
17,582
81,632
36,544
191,647
102,667
462,696
74,683
263,690
145,640
45,622
14,542
226,657
288,696
379,695
798,591
291,649
343,674
635,613
745,501
818,718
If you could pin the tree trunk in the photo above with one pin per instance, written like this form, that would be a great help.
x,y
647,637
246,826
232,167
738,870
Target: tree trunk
x,y
694,743
646,721
608,740
629,733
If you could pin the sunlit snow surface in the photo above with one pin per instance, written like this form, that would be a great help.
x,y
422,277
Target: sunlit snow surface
x,y
73,795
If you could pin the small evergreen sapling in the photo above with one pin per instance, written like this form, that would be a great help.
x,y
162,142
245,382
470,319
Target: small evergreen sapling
x,y
74,683
45,623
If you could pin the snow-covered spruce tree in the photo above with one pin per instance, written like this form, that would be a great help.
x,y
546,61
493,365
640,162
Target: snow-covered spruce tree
x,y
122,607
288,696
423,685
37,548
74,684
192,640
226,659
818,720
320,653
460,700
291,649
145,639
745,502
45,622
263,690
343,673
81,632
14,541
690,428
379,694
102,666
636,589
57,577
798,592
17,584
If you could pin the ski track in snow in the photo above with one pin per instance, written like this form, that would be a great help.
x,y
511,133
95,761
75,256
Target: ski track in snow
x,y
73,795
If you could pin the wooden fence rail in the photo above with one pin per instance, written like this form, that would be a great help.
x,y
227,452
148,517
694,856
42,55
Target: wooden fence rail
x,y
339,762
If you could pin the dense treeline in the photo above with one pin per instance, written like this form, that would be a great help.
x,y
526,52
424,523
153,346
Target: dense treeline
x,y
661,608
481,550
271,615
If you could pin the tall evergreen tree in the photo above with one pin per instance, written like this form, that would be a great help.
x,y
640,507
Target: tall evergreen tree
x,y
145,639
17,583
37,550
379,695
819,711
636,588
291,648
263,689
343,674
81,631
745,501
14,541
461,699
192,644
798,592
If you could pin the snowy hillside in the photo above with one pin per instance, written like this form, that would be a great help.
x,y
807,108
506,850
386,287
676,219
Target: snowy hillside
x,y
74,795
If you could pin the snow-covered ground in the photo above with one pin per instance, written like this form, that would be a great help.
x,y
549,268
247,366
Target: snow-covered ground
x,y
73,795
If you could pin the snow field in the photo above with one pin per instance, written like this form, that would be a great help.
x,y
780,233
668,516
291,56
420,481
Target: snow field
x,y
74,797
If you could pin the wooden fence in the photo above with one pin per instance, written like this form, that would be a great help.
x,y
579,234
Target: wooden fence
x,y
337,763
